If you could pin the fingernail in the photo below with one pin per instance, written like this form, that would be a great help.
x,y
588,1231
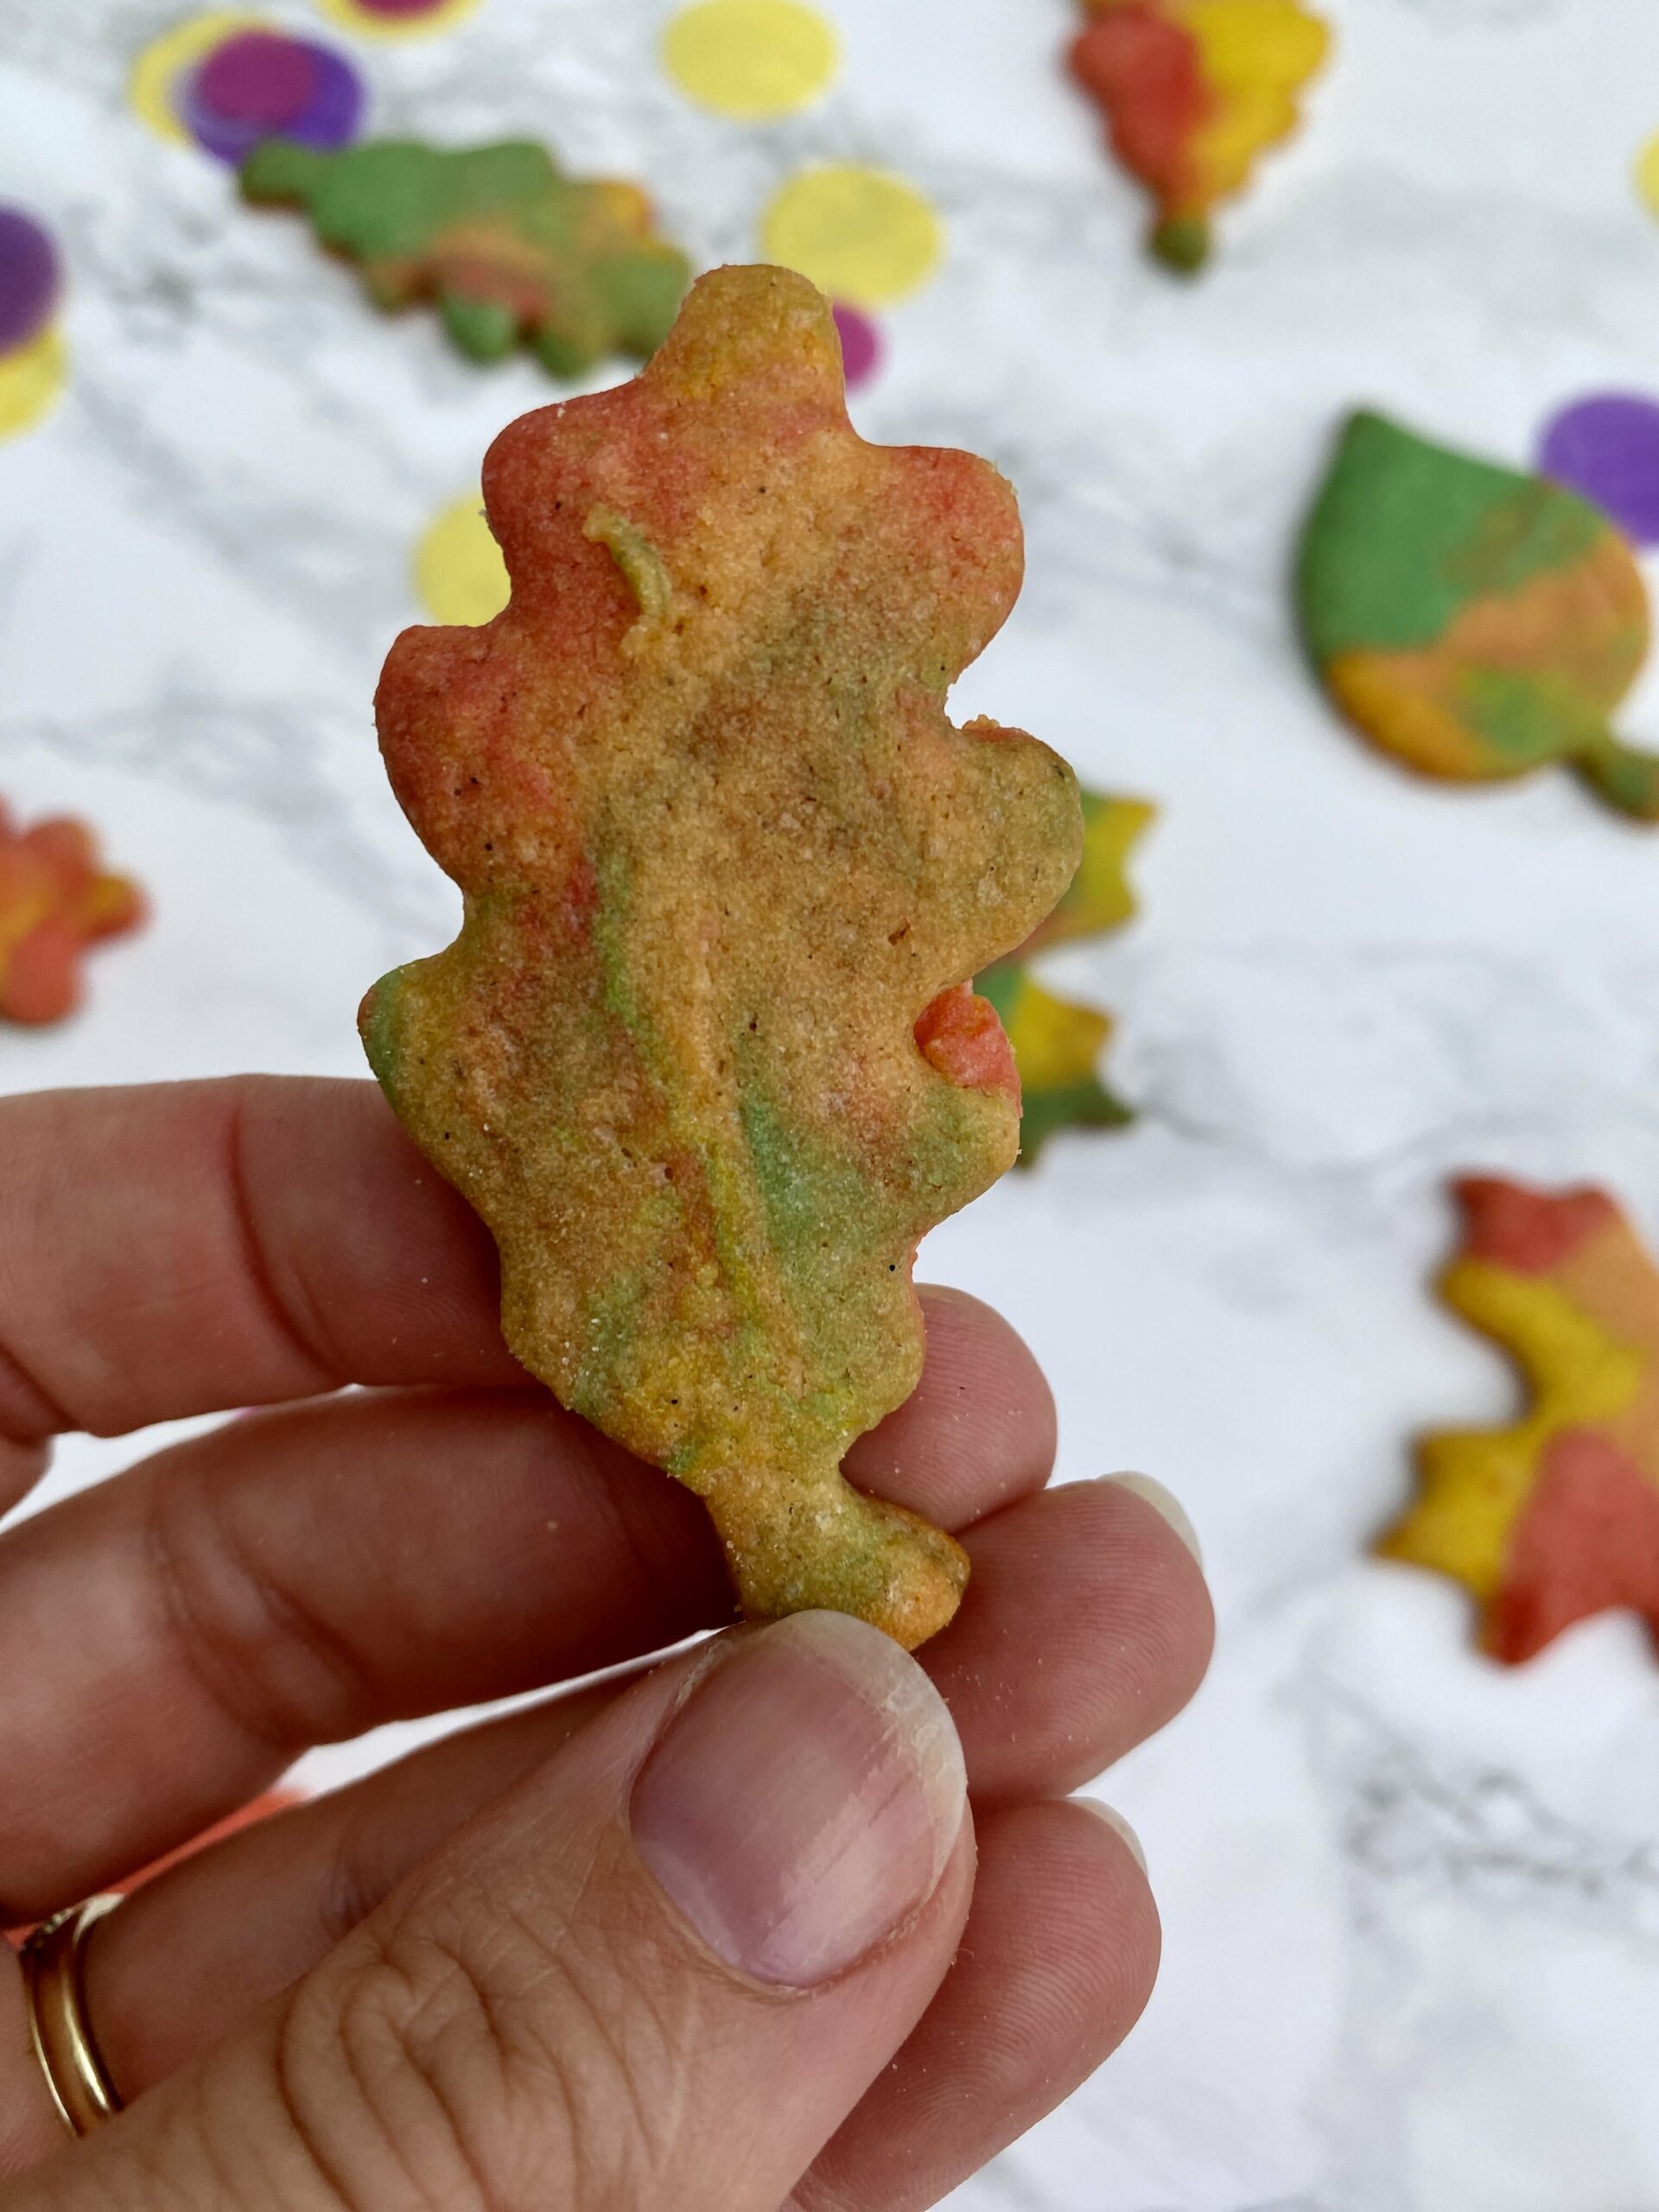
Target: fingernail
x,y
1160,1501
804,1800
1116,1821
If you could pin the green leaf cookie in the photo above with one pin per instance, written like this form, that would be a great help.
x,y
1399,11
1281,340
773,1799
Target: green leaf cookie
x,y
1472,621
506,246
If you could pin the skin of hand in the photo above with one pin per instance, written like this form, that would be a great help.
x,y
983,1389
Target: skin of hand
x,y
791,1920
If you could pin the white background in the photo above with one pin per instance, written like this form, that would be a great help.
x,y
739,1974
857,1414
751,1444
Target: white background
x,y
1412,1901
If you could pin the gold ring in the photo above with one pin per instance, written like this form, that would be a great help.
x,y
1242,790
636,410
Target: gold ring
x,y
54,1975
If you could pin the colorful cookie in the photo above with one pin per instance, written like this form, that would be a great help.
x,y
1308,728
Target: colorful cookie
x,y
506,246
1556,1518
1474,622
703,1055
54,901
1056,1044
1193,91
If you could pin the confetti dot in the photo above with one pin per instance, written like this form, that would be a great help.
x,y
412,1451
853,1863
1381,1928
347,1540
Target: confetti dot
x,y
860,235
860,345
334,116
1607,447
1647,174
459,571
397,18
258,78
261,82
750,58
28,279
167,64
30,380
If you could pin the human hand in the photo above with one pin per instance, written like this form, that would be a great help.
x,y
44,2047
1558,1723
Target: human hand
x,y
712,1940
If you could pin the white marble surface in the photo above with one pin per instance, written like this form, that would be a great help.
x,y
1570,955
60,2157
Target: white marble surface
x,y
1412,1901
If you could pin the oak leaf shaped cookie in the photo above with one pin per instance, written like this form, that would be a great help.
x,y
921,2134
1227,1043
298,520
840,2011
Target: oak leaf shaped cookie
x,y
1193,92
55,901
506,246
703,1055
1474,622
1056,1044
1557,1517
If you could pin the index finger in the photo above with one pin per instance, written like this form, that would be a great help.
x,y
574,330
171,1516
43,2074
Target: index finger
x,y
181,1248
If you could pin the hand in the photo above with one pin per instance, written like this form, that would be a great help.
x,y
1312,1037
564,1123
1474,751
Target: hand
x,y
713,1940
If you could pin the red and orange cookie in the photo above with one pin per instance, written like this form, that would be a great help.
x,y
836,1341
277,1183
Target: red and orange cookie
x,y
1194,91
55,901
1557,1517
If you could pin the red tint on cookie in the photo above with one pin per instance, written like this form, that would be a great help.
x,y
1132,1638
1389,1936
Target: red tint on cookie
x,y
1532,1231
54,901
1587,1542
1144,70
960,1035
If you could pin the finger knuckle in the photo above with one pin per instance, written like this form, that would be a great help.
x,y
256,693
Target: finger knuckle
x,y
481,2066
250,1648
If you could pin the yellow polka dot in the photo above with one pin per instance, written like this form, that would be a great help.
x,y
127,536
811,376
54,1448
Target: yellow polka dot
x,y
367,24
750,58
459,571
150,87
30,380
860,235
1647,174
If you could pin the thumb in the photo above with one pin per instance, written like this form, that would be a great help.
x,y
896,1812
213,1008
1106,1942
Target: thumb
x,y
656,1975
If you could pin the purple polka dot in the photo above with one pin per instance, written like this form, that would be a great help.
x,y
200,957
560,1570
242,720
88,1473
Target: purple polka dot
x,y
860,344
334,114
258,78
28,278
1607,447
229,142
260,84
400,7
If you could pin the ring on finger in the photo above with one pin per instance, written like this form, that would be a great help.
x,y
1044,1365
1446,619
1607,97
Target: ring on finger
x,y
55,1977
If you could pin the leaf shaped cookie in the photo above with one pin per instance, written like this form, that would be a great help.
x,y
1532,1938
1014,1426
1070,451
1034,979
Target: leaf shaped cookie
x,y
704,1055
1056,1044
506,246
1194,91
55,901
1474,622
1556,1518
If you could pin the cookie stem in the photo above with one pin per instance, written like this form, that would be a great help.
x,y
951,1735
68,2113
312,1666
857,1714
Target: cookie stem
x,y
1181,243
1624,775
802,1546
